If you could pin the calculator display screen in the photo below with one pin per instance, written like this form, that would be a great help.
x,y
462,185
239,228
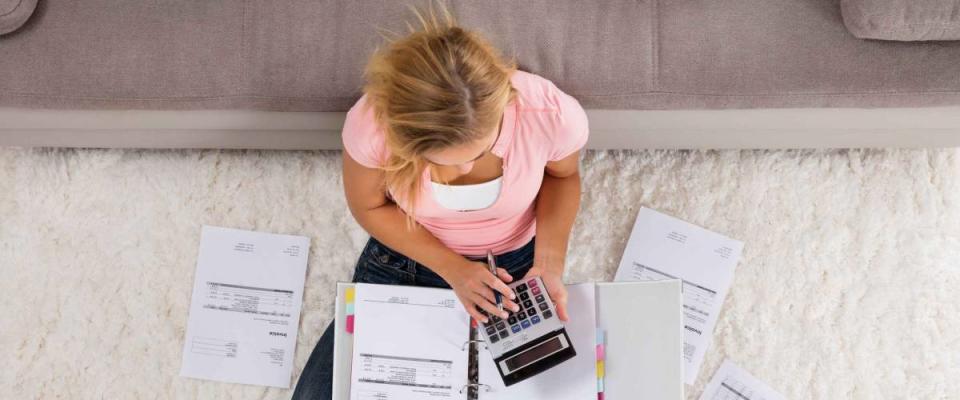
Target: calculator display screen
x,y
534,354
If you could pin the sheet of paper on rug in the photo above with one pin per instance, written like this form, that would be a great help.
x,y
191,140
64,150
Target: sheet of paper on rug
x,y
575,378
245,309
408,344
663,247
733,383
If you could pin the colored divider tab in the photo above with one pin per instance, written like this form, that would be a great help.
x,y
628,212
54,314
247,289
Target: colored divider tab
x,y
601,356
348,300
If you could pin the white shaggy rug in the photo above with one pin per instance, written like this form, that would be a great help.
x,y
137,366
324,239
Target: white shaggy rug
x,y
848,287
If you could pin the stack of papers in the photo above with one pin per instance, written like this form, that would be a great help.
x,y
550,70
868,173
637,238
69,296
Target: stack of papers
x,y
732,383
662,247
245,311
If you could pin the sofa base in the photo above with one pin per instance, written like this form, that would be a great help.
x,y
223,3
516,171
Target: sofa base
x,y
610,129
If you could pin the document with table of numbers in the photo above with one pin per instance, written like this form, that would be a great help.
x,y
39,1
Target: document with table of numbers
x,y
245,309
663,247
732,383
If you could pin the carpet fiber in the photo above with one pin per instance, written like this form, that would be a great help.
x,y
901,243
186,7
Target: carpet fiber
x,y
847,288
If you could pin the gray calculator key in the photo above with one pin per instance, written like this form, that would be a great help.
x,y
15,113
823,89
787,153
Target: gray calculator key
x,y
494,338
504,334
547,314
501,326
540,298
544,307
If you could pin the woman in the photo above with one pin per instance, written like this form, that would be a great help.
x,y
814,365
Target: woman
x,y
449,153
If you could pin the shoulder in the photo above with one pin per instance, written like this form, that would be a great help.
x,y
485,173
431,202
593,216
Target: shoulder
x,y
557,115
362,136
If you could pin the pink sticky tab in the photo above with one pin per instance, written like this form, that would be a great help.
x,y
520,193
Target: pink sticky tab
x,y
349,324
600,355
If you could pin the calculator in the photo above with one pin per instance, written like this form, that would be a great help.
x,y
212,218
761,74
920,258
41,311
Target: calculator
x,y
531,340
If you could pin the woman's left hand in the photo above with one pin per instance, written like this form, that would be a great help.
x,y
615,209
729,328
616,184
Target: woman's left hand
x,y
555,288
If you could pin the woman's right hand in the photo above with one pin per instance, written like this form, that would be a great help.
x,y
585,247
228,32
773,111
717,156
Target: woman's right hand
x,y
474,285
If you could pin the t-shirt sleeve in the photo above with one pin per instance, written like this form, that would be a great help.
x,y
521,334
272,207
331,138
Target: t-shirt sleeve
x,y
572,128
363,140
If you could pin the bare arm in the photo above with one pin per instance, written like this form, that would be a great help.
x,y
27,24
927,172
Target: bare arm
x,y
386,222
557,205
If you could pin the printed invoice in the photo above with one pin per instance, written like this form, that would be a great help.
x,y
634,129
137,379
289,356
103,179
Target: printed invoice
x,y
663,247
245,310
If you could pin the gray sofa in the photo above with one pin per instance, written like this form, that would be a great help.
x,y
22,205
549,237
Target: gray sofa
x,y
668,73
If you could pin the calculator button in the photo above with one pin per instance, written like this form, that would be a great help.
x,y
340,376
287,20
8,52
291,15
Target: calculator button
x,y
525,324
527,303
521,315
539,299
494,339
532,283
532,311
535,319
521,287
515,328
547,314
544,307
536,291
491,330
524,296
504,334
501,326
512,319
495,318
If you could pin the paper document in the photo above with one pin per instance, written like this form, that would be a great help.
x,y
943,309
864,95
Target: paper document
x,y
732,383
575,378
662,247
408,344
245,309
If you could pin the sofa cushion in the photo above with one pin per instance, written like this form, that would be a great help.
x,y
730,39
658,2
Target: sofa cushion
x,y
903,20
308,55
14,13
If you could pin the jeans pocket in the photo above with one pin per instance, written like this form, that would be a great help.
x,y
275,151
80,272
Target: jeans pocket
x,y
379,264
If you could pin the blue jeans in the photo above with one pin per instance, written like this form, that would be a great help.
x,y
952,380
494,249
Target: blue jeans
x,y
380,264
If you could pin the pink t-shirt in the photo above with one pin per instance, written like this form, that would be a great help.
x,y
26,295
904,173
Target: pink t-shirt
x,y
542,124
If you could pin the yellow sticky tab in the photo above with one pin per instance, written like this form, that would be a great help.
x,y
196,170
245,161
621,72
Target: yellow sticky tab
x,y
599,369
349,295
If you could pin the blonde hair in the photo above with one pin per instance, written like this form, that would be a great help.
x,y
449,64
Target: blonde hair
x,y
438,86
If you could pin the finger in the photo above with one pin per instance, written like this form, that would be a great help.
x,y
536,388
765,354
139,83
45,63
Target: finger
x,y
559,297
489,307
504,275
472,310
562,312
486,294
498,285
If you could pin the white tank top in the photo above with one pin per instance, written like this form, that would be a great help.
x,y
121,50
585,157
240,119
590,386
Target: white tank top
x,y
467,197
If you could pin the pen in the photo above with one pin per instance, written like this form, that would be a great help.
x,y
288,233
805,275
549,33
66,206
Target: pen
x,y
492,264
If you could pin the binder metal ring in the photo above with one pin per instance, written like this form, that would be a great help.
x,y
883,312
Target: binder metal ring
x,y
486,388
467,343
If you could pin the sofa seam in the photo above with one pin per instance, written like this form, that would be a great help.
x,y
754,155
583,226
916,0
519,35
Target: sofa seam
x,y
655,73
13,10
240,56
